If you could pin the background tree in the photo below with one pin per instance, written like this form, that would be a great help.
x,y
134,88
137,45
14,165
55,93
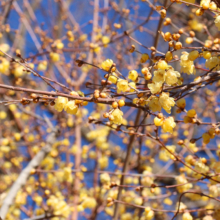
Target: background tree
x,y
109,109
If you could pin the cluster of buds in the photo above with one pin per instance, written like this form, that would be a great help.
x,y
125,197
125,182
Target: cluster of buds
x,y
191,117
110,201
24,101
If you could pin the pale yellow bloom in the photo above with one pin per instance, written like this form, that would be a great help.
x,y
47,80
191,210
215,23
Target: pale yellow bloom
x,y
122,85
133,75
168,125
155,87
112,78
105,39
106,65
187,216
133,85
117,114
166,102
159,76
213,62
89,202
4,66
217,22
71,108
4,48
60,103
158,121
195,25
154,104
171,77
187,66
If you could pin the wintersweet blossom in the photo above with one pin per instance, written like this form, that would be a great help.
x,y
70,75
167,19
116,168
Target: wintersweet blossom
x,y
106,65
112,78
168,125
122,85
133,75
60,103
182,180
159,76
154,104
4,48
132,85
4,65
158,121
187,216
71,108
217,22
117,116
171,77
155,87
166,101
187,65
213,62
144,57
89,203
195,25
166,154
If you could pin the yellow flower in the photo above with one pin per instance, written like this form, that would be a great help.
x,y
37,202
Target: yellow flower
x,y
187,216
191,113
181,103
206,138
193,55
168,125
158,121
117,114
133,85
213,62
133,75
122,85
89,202
162,64
4,66
54,57
60,103
42,66
155,87
106,65
105,178
149,215
159,76
71,108
166,102
18,71
105,40
195,25
4,48
217,22
144,57
112,78
187,65
103,162
171,77
154,104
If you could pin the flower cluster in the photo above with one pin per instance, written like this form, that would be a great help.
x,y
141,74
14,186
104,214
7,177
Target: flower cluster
x,y
69,106
186,64
167,124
